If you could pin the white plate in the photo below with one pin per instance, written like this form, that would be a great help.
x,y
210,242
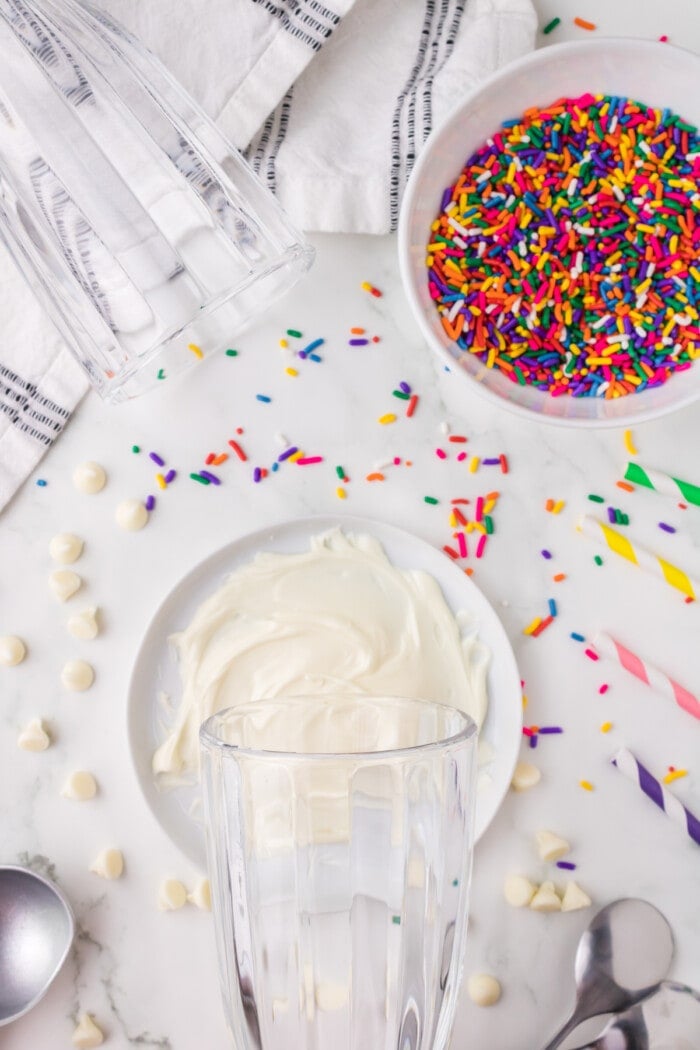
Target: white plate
x,y
156,672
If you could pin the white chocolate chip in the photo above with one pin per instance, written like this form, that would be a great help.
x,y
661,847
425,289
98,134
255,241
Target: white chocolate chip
x,y
279,1006
331,996
66,548
84,624
131,515
525,776
550,846
171,895
33,737
77,676
109,864
483,989
518,891
80,786
89,477
201,895
87,1035
574,898
12,650
546,899
63,583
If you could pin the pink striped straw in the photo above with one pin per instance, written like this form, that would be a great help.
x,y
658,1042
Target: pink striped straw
x,y
647,672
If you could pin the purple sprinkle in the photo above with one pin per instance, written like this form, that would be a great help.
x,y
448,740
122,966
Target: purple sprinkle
x,y
287,453
550,729
357,342
490,462
150,503
612,517
546,554
665,527
170,476
302,354
157,459
210,477
566,865
257,474
533,740
405,387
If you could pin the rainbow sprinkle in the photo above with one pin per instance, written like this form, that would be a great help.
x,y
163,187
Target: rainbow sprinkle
x,y
564,255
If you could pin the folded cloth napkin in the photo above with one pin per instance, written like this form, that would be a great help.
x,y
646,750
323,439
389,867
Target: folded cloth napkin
x,y
331,102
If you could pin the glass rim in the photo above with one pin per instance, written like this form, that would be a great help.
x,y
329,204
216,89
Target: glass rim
x,y
211,740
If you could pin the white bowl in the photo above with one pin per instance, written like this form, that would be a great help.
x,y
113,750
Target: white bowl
x,y
658,74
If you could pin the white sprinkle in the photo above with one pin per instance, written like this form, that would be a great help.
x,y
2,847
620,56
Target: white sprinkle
x,y
457,226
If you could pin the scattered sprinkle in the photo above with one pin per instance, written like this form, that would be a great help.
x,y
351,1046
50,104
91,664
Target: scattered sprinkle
x,y
598,560
625,486
170,476
566,865
546,554
577,637
591,654
161,373
199,477
583,24
375,476
674,774
666,527
586,785
150,503
156,459
388,417
629,443
264,398
238,450
340,492
162,483
291,371
559,577
552,607
606,727
232,353
440,453
208,476
196,350
431,499
367,287
42,483
294,333
411,407
596,499
306,461
136,449
603,688
551,25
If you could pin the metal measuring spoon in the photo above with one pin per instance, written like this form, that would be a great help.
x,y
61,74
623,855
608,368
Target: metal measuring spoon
x,y
669,1019
36,932
622,956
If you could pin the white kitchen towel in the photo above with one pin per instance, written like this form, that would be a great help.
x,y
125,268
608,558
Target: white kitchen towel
x,y
331,101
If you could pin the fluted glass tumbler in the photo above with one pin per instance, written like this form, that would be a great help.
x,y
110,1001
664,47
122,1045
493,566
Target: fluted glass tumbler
x,y
141,230
339,834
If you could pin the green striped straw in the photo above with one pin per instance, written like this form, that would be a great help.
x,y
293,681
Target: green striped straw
x,y
660,482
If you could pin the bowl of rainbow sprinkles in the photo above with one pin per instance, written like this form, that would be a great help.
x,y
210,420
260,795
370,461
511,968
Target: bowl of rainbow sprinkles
x,y
549,239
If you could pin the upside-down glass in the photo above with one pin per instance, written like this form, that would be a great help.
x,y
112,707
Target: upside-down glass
x,y
141,230
339,833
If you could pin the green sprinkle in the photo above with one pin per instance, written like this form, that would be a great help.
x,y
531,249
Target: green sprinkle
x,y
161,373
595,499
232,353
519,374
488,524
598,560
431,499
455,882
135,448
200,479
400,394
396,919
340,472
293,332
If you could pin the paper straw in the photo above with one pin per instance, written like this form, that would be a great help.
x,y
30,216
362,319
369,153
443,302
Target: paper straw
x,y
638,555
675,810
647,672
659,482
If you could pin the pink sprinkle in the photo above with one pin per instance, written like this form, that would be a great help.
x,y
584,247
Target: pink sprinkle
x,y
462,544
663,39
604,688
480,545
479,509
397,461
440,453
461,456
306,460
591,654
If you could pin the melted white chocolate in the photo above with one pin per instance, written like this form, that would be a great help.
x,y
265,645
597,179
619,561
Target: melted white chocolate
x,y
336,618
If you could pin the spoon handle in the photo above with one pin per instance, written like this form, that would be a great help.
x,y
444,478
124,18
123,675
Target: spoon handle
x,y
566,1029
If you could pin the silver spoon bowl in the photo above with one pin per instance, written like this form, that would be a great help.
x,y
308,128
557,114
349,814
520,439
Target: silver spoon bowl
x,y
36,933
621,958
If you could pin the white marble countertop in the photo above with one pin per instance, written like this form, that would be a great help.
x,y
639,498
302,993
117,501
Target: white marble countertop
x,y
150,978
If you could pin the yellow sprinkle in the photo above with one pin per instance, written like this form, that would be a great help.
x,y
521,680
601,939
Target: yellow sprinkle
x,y
340,492
586,785
606,727
525,700
629,443
196,350
291,371
388,417
283,344
532,626
161,481
675,774
453,520
297,455
474,464
558,506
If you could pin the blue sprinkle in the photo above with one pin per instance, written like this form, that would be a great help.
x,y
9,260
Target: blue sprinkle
x,y
552,607
577,637
41,483
312,346
264,398
314,357
274,467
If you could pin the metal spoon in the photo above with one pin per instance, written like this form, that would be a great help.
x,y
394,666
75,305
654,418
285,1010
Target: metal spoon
x,y
625,952
36,932
669,1019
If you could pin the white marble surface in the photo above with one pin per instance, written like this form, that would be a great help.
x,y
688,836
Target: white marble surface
x,y
148,977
